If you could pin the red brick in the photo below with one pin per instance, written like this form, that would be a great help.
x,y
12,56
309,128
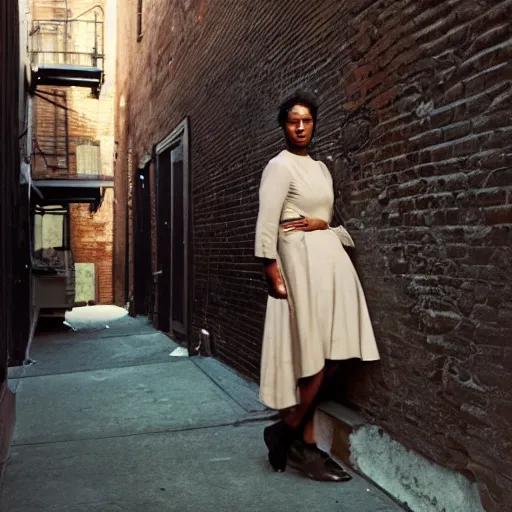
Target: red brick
x,y
88,120
499,215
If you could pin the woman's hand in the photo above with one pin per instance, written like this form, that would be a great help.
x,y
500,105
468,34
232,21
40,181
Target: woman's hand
x,y
305,224
275,281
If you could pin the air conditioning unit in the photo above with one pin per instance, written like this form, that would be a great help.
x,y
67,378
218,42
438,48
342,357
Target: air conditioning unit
x,y
88,160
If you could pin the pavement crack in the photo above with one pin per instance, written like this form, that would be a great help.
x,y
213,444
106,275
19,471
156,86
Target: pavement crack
x,y
235,423
173,360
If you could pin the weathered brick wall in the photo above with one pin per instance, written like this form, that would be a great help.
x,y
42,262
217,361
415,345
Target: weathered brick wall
x,y
9,208
92,242
57,131
415,126
120,208
88,120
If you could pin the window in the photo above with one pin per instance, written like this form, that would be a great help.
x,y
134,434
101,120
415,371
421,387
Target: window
x,y
51,250
51,228
139,19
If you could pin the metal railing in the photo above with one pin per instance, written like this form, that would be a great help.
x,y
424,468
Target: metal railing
x,y
76,42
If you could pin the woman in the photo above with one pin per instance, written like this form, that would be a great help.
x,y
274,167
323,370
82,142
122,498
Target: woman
x,y
316,310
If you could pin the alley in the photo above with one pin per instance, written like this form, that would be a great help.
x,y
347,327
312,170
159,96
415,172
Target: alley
x,y
108,420
157,157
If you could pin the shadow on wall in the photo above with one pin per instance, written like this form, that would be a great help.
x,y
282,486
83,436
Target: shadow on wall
x,y
352,382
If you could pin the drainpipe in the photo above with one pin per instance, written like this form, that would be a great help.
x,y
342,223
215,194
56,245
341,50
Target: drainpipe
x,y
95,50
66,33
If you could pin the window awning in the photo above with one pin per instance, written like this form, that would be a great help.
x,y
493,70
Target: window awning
x,y
54,191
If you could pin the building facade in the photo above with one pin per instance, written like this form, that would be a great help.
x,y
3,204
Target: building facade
x,y
73,132
414,125
56,170
14,253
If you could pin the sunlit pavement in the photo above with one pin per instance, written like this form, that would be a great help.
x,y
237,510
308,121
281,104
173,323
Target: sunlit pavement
x,y
109,420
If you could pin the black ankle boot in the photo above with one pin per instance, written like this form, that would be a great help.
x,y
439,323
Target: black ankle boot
x,y
278,438
315,464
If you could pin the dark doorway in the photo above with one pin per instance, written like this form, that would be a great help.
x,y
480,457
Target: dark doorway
x,y
164,241
22,283
142,248
173,233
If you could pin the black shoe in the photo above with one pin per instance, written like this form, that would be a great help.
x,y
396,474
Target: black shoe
x,y
278,438
315,464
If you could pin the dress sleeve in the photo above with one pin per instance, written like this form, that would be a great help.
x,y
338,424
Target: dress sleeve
x,y
342,234
274,186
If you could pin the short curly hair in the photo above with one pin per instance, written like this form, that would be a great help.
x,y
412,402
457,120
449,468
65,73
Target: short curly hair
x,y
298,98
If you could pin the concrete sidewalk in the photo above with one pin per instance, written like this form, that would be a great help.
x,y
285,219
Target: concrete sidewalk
x,y
109,421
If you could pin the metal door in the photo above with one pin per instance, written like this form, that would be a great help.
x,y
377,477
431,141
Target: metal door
x,y
179,242
163,240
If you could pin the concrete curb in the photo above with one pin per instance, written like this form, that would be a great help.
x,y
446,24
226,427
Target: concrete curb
x,y
415,482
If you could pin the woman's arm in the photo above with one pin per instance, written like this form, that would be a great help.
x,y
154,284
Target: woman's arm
x,y
274,278
274,186
275,182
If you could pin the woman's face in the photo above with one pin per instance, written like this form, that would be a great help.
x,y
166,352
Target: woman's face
x,y
298,128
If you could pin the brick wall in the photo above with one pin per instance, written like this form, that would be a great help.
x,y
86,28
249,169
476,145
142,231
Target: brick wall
x,y
58,132
92,242
10,202
415,126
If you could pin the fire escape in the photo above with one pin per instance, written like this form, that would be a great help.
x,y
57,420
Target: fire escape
x,y
64,53
65,74
57,61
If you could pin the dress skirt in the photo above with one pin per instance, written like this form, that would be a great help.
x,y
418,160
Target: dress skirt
x,y
324,317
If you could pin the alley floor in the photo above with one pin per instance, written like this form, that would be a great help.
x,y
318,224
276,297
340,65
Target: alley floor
x,y
109,421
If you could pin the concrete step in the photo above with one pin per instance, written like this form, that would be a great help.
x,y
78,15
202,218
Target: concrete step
x,y
412,480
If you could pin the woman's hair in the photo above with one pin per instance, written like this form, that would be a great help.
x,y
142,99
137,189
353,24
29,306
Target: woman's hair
x,y
297,98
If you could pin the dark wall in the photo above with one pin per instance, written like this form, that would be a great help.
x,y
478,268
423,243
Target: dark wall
x,y
9,198
415,126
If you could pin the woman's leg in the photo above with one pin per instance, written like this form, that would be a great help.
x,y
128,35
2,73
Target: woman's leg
x,y
311,390
279,436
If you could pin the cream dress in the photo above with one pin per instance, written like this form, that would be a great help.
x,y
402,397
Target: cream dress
x,y
325,315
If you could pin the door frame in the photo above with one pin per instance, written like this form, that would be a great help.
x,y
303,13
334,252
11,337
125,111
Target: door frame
x,y
180,133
